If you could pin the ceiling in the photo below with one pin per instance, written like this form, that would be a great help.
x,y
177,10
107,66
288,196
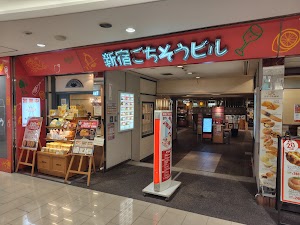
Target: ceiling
x,y
205,70
79,20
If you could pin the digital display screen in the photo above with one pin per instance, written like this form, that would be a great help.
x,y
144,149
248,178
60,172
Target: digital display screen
x,y
126,111
31,107
207,125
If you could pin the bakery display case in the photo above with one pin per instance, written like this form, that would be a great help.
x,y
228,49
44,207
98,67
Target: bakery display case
x,y
147,118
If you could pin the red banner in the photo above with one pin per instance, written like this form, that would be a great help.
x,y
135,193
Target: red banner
x,y
265,39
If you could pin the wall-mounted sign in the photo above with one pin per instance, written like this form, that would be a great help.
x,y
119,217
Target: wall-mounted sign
x,y
74,83
126,104
127,57
297,113
31,107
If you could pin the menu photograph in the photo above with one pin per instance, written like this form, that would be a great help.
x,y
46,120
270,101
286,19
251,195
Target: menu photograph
x,y
31,107
126,111
290,171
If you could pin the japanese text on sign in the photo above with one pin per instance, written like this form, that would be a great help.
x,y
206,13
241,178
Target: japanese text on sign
x,y
127,57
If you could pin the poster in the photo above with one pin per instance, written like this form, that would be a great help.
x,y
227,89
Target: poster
x,y
31,107
290,171
111,108
84,137
111,131
271,127
32,133
297,113
126,111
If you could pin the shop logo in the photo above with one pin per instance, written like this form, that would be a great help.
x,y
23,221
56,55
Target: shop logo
x,y
74,83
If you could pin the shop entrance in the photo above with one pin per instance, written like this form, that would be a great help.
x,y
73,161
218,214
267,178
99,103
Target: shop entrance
x,y
213,109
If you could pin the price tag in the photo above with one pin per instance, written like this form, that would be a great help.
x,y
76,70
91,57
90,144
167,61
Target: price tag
x,y
290,145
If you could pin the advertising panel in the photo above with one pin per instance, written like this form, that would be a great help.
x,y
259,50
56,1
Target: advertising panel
x,y
126,105
290,171
84,137
31,107
32,133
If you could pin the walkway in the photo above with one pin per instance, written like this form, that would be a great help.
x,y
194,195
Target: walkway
x,y
28,200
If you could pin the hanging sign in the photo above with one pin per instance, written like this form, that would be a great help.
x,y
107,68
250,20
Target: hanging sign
x,y
32,133
290,171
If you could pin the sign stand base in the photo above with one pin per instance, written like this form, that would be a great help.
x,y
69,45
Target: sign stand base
x,y
166,193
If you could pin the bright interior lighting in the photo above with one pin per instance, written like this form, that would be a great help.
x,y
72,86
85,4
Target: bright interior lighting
x,y
179,66
130,30
197,77
95,193
189,73
41,45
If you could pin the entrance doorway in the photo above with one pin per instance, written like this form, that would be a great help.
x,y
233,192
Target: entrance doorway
x,y
199,91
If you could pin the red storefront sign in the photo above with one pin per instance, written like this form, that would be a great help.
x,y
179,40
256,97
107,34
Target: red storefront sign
x,y
265,39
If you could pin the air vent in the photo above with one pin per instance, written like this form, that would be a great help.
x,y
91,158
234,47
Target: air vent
x,y
167,74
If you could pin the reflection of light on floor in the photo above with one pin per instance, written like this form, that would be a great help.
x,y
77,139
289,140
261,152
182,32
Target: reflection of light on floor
x,y
66,208
126,215
69,220
54,215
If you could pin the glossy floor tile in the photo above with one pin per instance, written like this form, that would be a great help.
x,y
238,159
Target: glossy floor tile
x,y
32,201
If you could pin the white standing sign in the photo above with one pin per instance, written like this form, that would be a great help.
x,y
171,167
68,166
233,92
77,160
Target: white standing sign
x,y
290,171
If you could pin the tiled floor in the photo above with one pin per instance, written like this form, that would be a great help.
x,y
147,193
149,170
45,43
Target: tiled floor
x,y
28,200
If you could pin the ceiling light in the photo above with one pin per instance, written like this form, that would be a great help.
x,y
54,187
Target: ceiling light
x,y
105,25
179,66
189,73
197,77
130,30
41,45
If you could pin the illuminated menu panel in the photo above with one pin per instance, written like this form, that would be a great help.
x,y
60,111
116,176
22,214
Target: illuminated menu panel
x,y
126,111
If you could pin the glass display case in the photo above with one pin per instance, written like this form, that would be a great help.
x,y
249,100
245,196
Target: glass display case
x,y
147,118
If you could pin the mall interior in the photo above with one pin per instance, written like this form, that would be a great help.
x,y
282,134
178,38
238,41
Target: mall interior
x,y
111,115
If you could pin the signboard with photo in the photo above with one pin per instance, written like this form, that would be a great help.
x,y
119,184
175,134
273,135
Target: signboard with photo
x,y
31,107
84,137
270,129
290,171
32,133
126,120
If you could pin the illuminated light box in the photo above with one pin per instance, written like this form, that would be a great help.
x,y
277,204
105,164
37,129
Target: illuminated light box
x,y
126,109
31,107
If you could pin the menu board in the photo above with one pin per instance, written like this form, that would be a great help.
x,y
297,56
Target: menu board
x,y
290,171
270,129
126,111
207,125
31,107
84,137
32,133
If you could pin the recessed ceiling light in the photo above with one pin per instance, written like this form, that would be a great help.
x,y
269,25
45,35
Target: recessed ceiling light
x,y
105,25
130,30
197,77
41,45
179,66
189,73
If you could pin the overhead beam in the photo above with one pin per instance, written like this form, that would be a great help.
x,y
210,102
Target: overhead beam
x,y
292,71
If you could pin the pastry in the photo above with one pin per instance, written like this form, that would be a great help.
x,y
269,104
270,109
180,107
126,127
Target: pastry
x,y
267,131
294,183
269,124
293,157
272,150
270,105
275,134
271,116
84,133
268,143
265,120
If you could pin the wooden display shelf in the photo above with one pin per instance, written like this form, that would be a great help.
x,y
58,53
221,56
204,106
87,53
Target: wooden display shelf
x,y
58,140
51,127
57,165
